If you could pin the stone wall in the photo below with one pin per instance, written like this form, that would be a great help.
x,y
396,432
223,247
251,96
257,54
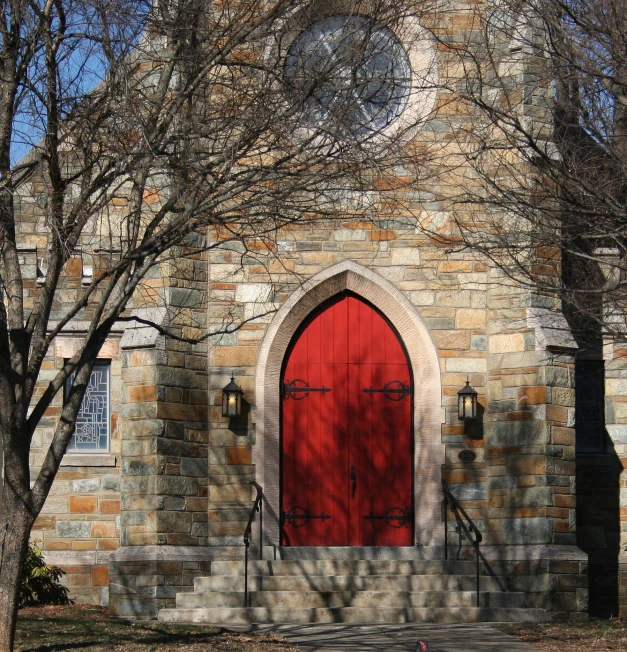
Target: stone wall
x,y
79,526
164,444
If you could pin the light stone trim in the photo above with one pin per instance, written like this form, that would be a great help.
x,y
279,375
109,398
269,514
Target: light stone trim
x,y
534,552
162,553
77,558
141,336
551,329
428,411
84,459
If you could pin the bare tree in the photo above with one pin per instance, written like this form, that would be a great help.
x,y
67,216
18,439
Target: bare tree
x,y
147,125
542,87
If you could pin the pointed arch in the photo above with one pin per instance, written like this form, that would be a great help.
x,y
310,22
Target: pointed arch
x,y
428,411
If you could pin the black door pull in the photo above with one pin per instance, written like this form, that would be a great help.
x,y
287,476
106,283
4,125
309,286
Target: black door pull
x,y
353,479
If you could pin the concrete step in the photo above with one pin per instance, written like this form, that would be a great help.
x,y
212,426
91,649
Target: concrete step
x,y
362,599
300,615
326,567
345,583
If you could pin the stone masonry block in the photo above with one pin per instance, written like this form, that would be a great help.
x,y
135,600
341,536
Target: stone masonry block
x,y
110,483
525,531
517,433
470,318
55,505
557,377
254,292
470,491
467,365
174,522
507,343
73,529
452,340
238,455
521,497
176,411
194,466
87,485
83,504
405,256
532,395
186,298
230,493
563,396
235,356
175,486
134,484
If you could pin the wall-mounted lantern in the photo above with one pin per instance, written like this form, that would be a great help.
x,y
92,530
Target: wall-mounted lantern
x,y
232,399
467,403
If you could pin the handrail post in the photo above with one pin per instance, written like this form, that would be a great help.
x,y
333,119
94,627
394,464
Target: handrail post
x,y
246,574
445,528
469,532
477,557
257,507
261,529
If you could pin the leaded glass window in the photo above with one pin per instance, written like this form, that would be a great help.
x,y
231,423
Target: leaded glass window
x,y
353,74
92,423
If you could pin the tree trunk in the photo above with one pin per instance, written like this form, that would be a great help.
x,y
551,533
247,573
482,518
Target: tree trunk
x,y
15,526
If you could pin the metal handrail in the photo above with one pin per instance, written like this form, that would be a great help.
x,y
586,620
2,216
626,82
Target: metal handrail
x,y
257,507
465,530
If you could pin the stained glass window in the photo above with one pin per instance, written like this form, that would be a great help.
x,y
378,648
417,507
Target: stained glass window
x,y
92,423
352,73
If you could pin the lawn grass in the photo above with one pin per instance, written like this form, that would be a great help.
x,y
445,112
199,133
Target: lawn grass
x,y
572,637
90,629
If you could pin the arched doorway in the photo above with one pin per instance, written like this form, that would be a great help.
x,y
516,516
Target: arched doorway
x,y
428,413
346,435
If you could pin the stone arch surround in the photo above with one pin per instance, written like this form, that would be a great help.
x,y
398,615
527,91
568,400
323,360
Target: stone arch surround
x,y
428,411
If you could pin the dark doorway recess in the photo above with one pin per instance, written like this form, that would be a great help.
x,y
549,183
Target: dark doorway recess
x,y
598,466
597,475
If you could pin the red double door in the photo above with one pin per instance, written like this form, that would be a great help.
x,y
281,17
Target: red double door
x,y
347,455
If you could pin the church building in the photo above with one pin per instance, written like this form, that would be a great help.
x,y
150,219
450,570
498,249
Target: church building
x,y
409,418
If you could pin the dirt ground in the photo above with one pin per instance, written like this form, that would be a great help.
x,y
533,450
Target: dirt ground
x,y
572,637
80,627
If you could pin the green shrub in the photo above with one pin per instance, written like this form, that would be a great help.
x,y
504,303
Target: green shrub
x,y
40,583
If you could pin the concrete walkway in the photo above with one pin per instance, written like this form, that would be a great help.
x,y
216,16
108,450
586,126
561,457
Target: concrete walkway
x,y
404,638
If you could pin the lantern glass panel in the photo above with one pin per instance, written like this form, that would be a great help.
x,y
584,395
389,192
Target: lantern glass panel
x,y
467,407
231,404
467,403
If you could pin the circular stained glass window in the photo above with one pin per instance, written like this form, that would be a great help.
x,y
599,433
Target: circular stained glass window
x,y
349,74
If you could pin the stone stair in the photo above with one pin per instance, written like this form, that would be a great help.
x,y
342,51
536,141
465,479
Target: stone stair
x,y
371,590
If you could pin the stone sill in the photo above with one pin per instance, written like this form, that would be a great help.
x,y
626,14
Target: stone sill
x,y
83,459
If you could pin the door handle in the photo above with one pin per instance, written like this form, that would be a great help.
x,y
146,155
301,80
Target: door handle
x,y
353,478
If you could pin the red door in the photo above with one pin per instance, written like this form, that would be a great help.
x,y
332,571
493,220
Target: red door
x,y
347,455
